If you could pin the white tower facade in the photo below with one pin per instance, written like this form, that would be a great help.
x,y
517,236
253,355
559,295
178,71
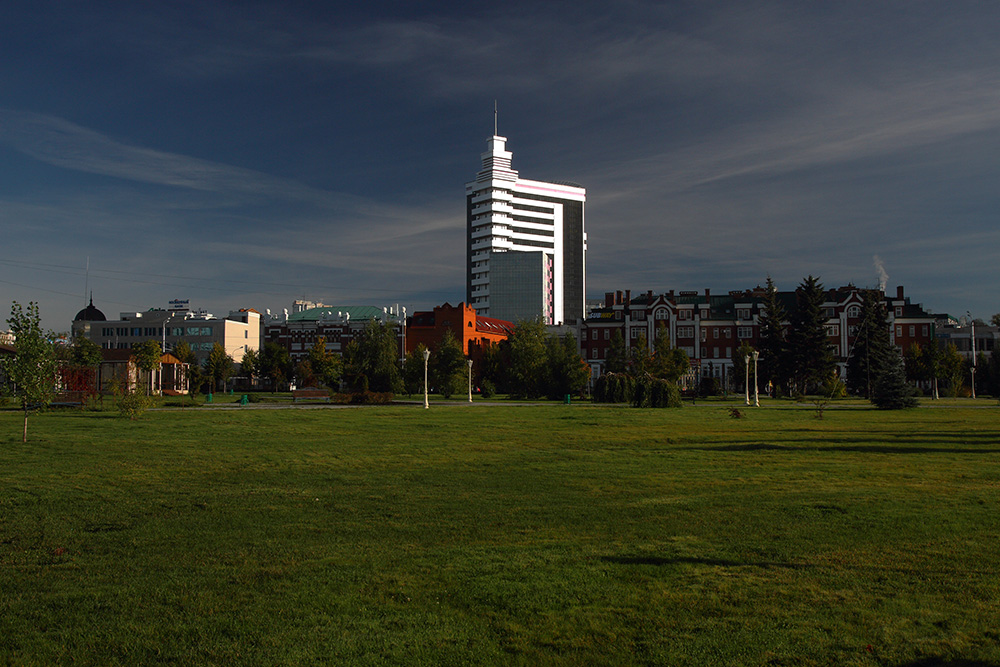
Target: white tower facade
x,y
526,242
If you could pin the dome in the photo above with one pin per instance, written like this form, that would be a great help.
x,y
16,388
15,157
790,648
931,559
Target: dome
x,y
90,314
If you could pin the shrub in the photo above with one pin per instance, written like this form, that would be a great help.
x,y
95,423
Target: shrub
x,y
363,398
710,387
650,392
614,388
488,389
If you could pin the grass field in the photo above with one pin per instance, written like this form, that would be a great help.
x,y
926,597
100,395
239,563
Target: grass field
x,y
543,534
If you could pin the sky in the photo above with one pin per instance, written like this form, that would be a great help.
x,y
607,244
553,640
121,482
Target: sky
x,y
244,155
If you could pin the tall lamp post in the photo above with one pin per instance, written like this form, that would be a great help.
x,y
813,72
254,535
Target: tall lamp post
x,y
746,377
427,355
973,339
470,380
756,393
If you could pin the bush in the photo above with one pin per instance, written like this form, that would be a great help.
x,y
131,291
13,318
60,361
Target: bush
x,y
131,402
488,389
710,387
253,398
653,392
614,388
363,398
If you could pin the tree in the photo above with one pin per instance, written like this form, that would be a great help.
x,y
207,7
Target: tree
x,y
808,346
641,357
32,369
772,341
371,360
669,363
85,352
275,364
890,391
147,357
949,367
616,360
494,366
448,366
528,359
325,365
742,369
218,366
413,371
995,320
870,344
250,365
567,373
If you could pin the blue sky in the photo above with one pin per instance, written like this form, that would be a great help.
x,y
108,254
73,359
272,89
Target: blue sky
x,y
248,155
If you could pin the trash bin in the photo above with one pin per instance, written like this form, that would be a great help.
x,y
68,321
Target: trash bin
x,y
244,400
569,399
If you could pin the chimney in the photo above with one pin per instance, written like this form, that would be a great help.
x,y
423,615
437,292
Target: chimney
x,y
609,299
899,292
708,293
628,297
618,297
649,296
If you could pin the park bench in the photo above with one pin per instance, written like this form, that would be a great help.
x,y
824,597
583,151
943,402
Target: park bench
x,y
310,394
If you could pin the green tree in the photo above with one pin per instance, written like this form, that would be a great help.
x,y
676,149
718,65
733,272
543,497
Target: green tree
x,y
772,342
448,366
870,344
325,365
85,352
413,371
617,357
528,360
275,364
808,346
950,368
669,363
995,320
567,372
494,366
640,356
371,360
218,366
32,369
250,365
147,357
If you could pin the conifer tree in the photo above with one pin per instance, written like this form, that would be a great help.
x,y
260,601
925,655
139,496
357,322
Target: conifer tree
x,y
810,357
772,341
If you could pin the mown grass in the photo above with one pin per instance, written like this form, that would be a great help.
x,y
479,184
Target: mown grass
x,y
528,535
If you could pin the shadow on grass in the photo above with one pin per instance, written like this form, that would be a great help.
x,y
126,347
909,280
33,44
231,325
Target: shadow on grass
x,y
693,560
948,662
907,445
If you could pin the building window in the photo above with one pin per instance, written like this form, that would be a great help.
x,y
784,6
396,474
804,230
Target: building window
x,y
925,331
899,311
744,332
685,332
704,314
899,330
593,353
854,311
832,329
684,315
704,335
913,330
662,314
715,332
583,335
635,332
729,332
607,334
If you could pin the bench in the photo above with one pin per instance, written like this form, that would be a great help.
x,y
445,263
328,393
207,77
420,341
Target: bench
x,y
310,394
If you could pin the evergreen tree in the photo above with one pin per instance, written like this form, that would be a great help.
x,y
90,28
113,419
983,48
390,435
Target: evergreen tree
x,y
772,341
871,342
669,363
809,351
641,357
617,357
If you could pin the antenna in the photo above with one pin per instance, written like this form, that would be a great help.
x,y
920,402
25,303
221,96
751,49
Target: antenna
x,y
86,284
495,118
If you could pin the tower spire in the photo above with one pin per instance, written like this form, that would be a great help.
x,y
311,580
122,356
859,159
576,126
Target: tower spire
x,y
495,133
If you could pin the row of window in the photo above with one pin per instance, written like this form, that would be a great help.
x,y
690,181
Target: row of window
x,y
128,345
155,331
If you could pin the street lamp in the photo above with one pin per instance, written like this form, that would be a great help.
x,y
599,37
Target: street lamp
x,y
427,355
756,394
470,380
746,377
973,338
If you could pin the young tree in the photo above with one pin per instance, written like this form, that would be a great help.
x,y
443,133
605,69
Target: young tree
x,y
275,364
325,365
567,372
448,366
669,363
641,357
950,369
870,344
218,366
772,341
413,371
809,348
147,357
32,369
617,358
250,365
494,366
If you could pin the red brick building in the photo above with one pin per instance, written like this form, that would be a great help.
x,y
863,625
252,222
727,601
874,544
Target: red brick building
x,y
472,331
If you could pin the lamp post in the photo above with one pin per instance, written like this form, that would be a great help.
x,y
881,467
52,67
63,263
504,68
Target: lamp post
x,y
973,339
470,380
427,355
756,394
746,377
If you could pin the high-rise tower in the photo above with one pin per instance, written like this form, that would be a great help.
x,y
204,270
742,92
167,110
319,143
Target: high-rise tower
x,y
526,243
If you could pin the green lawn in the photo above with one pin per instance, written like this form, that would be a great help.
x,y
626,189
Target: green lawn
x,y
543,534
